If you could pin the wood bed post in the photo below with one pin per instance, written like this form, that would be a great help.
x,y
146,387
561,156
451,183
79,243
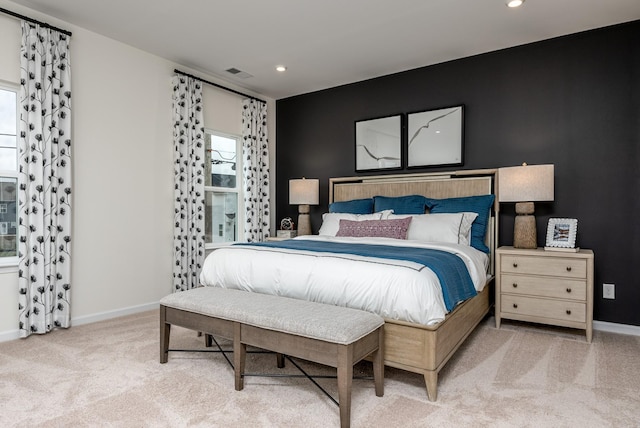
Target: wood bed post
x,y
431,381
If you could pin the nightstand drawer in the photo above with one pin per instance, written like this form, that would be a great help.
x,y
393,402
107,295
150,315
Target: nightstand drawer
x,y
544,287
551,266
544,308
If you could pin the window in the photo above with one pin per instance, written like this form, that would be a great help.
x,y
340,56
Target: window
x,y
223,188
8,173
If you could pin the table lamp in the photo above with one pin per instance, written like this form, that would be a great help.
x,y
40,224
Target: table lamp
x,y
525,185
304,192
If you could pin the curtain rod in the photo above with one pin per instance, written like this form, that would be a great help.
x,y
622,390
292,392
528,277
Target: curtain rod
x,y
219,86
35,21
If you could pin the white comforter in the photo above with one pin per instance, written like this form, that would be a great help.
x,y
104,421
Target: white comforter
x,y
393,289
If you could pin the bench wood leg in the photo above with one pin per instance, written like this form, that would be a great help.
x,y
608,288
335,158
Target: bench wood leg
x,y
239,356
345,378
378,365
208,340
280,360
165,332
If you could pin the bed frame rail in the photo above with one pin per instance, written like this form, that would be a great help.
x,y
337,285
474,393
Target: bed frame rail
x,y
413,347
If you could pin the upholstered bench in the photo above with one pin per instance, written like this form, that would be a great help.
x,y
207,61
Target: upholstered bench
x,y
331,335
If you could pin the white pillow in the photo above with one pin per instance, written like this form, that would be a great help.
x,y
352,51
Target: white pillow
x,y
453,228
331,221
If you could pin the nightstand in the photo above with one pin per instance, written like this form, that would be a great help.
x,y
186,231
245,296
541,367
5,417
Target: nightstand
x,y
548,287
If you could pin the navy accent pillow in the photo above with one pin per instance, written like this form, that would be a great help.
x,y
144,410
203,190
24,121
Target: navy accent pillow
x,y
412,204
474,204
354,206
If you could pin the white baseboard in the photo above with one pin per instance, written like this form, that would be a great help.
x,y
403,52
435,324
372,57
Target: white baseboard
x,y
611,327
88,319
5,336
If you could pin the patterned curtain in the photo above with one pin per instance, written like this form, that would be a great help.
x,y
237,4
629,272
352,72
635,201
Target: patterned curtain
x,y
44,181
255,168
188,141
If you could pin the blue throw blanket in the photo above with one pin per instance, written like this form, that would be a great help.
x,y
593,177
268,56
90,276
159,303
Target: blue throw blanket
x,y
454,277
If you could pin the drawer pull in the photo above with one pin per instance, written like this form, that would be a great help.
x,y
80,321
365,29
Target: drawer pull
x,y
568,268
515,285
568,311
568,290
515,265
515,305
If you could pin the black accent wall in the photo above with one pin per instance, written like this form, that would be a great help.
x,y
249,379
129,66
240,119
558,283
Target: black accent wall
x,y
572,101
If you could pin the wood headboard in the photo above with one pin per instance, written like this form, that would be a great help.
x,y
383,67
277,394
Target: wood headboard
x,y
433,185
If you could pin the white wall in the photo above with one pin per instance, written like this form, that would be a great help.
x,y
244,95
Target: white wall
x,y
223,110
123,171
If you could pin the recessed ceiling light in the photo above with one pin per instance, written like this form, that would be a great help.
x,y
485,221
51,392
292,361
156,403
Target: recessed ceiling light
x,y
515,3
281,68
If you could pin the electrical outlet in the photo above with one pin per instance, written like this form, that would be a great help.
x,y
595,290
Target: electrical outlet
x,y
608,291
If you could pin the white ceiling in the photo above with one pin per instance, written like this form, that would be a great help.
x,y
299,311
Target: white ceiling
x,y
326,43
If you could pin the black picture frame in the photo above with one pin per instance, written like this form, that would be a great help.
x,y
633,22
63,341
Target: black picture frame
x,y
435,137
378,143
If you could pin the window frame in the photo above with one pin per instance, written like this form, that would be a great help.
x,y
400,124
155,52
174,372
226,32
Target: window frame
x,y
238,190
11,263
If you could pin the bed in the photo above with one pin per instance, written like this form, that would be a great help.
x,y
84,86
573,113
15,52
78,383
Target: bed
x,y
418,345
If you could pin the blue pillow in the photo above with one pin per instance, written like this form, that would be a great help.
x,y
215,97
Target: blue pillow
x,y
474,204
413,204
354,206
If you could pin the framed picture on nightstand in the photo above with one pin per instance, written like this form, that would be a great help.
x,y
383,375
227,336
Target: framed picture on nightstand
x,y
561,234
286,234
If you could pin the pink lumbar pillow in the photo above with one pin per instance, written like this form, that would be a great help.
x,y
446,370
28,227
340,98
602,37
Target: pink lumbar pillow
x,y
396,228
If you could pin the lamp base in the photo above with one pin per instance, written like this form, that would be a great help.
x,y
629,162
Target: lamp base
x,y
304,223
524,229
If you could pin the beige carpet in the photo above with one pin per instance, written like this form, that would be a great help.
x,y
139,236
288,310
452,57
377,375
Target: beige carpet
x,y
108,374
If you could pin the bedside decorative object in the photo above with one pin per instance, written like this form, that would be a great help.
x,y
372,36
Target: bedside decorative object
x,y
287,224
545,287
561,233
304,192
378,143
286,234
435,137
525,185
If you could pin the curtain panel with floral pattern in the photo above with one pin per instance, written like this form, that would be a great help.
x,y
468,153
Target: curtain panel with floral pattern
x,y
255,168
188,139
44,181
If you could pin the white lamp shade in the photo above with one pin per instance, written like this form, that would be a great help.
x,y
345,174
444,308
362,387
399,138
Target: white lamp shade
x,y
304,191
527,183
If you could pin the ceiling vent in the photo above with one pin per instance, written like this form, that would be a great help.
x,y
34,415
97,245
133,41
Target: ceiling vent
x,y
238,73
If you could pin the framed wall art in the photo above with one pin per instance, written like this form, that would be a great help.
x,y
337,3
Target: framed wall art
x,y
435,137
561,233
378,143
